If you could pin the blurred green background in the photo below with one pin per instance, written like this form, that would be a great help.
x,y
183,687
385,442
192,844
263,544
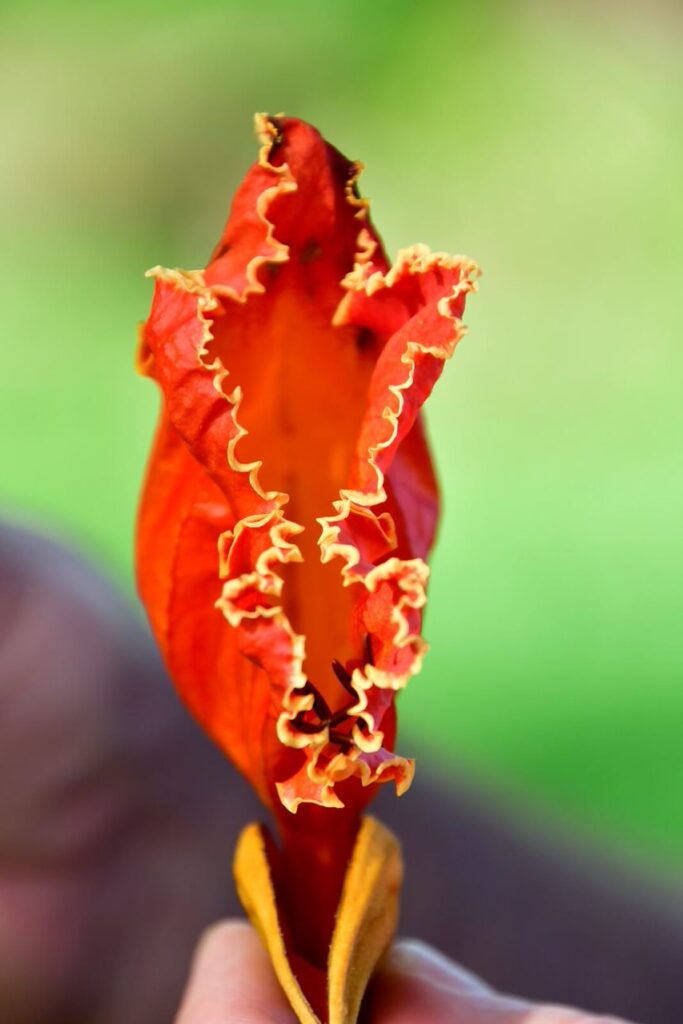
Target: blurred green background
x,y
544,139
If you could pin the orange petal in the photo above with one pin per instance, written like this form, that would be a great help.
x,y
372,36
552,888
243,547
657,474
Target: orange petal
x,y
182,515
293,370
365,923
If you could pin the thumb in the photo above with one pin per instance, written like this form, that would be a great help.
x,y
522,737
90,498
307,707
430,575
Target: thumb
x,y
232,981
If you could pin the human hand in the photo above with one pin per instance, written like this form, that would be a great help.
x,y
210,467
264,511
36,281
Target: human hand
x,y
232,980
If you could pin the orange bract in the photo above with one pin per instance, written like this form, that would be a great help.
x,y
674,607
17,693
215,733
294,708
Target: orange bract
x,y
363,927
290,500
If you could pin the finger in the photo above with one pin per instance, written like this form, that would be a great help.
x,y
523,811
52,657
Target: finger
x,y
565,1015
414,958
232,981
418,985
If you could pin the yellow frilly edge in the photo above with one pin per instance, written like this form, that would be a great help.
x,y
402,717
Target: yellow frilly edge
x,y
365,923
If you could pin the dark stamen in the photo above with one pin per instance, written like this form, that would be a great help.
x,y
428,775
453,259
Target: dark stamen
x,y
368,650
343,676
341,715
321,710
340,672
320,705
341,738
309,728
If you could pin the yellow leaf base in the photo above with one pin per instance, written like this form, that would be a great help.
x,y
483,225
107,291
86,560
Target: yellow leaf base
x,y
365,922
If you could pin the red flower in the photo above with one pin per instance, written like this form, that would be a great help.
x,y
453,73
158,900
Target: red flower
x,y
290,500
290,464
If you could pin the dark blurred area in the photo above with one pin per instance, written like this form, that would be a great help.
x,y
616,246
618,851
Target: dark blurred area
x,y
544,833
118,819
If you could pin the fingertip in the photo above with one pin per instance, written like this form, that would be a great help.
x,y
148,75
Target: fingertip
x,y
417,959
220,942
418,985
567,1015
232,982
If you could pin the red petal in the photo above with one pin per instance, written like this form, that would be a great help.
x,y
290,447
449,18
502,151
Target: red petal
x,y
296,346
182,514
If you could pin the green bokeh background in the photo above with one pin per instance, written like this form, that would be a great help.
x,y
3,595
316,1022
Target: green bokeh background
x,y
542,138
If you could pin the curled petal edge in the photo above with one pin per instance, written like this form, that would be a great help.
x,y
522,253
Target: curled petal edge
x,y
251,597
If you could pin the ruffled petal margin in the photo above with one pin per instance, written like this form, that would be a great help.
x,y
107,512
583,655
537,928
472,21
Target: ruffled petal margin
x,y
421,300
205,514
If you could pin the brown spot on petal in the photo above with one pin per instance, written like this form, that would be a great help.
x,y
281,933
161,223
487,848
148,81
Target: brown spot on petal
x,y
310,251
365,339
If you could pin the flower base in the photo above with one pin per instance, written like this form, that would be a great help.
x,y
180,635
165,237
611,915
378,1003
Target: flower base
x,y
364,926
